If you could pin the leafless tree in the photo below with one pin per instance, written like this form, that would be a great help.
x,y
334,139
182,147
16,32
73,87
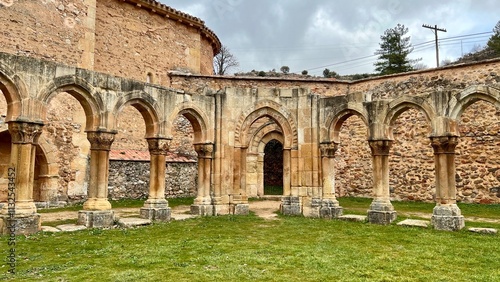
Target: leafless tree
x,y
224,61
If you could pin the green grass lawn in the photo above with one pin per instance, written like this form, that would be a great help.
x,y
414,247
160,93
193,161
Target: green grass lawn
x,y
248,248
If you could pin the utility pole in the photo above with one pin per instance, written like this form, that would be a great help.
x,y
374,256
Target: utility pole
x,y
435,30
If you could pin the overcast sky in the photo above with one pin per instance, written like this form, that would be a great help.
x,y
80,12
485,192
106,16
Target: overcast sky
x,y
340,35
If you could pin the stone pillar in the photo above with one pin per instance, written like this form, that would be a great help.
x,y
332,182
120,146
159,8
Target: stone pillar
x,y
156,206
239,202
381,210
290,202
97,209
446,215
24,139
330,207
203,204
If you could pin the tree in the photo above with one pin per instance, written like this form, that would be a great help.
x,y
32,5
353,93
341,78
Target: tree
x,y
285,69
329,74
394,50
494,41
305,72
224,61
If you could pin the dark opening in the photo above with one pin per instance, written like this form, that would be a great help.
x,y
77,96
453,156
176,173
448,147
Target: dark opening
x,y
273,168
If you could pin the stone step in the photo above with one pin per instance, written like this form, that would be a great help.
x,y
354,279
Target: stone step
x,y
414,223
70,227
353,217
182,216
50,229
133,222
483,230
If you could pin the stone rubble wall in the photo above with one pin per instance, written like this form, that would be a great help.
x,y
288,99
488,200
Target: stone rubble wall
x,y
130,180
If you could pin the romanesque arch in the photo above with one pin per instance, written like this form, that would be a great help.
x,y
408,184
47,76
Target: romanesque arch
x,y
83,91
147,107
471,95
198,119
334,122
402,104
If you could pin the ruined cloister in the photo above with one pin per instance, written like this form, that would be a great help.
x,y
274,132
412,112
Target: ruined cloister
x,y
231,128
337,138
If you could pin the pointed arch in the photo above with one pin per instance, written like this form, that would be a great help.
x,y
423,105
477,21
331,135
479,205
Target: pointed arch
x,y
274,111
471,95
147,107
335,121
82,91
197,118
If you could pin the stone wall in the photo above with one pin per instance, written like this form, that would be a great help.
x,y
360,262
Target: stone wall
x,y
130,179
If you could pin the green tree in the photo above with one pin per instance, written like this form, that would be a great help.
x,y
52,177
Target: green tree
x,y
329,74
394,50
285,69
494,41
305,72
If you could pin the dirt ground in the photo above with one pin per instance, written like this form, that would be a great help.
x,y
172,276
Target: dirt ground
x,y
264,209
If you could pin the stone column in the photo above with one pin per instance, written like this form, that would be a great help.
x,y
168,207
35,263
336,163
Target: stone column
x,y
381,210
156,206
290,202
24,139
330,207
446,215
239,202
203,204
97,209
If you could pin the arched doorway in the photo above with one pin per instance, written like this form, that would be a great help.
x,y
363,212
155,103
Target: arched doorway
x,y
273,168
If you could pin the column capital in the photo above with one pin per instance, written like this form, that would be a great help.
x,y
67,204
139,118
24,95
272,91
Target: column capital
x,y
444,144
101,140
380,147
23,132
204,150
158,145
328,149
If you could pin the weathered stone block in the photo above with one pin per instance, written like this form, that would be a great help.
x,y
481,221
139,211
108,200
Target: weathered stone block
x,y
414,223
330,212
448,223
96,219
221,209
156,214
204,210
240,209
23,225
291,206
381,217
353,217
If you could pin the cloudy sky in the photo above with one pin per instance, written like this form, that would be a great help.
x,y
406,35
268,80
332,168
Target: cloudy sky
x,y
340,35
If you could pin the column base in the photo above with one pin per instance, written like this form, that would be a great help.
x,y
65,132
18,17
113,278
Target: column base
x,y
448,218
330,209
97,204
221,209
23,224
156,214
381,212
240,209
96,219
203,210
311,207
291,206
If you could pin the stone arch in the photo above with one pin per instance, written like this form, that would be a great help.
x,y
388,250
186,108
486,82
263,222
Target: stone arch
x,y
45,188
197,119
334,122
262,133
147,107
14,89
274,111
83,91
471,95
400,105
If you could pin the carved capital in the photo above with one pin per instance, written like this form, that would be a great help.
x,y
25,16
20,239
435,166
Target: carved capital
x,y
158,146
101,140
204,150
25,132
444,144
380,147
328,149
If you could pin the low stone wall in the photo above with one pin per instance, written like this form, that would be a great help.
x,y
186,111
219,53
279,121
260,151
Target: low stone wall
x,y
130,179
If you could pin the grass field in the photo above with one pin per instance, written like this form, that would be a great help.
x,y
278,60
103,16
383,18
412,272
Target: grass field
x,y
248,248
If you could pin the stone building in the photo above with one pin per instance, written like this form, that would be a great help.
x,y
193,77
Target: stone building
x,y
83,80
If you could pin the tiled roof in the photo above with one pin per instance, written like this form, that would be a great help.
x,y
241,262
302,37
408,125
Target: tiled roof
x,y
135,155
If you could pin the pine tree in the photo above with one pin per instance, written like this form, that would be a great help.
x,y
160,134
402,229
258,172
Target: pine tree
x,y
394,51
494,41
